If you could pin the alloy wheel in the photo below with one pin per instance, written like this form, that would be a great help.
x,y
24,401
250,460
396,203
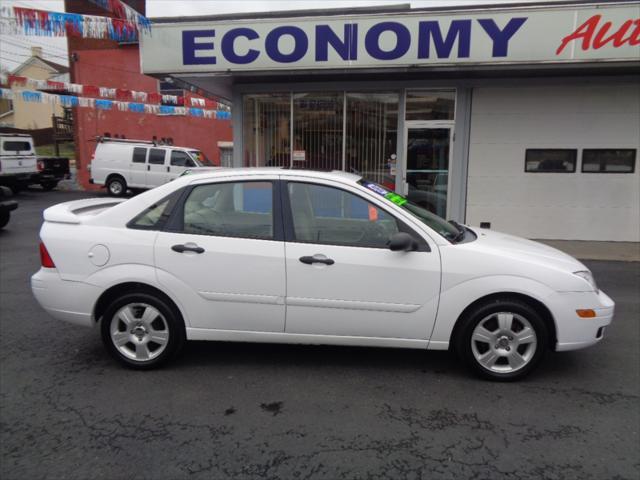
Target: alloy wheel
x,y
504,342
139,331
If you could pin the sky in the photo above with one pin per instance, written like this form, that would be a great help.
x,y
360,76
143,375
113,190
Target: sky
x,y
15,49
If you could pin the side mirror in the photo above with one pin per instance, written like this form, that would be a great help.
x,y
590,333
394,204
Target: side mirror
x,y
402,242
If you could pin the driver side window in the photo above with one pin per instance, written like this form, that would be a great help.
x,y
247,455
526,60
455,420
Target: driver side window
x,y
332,216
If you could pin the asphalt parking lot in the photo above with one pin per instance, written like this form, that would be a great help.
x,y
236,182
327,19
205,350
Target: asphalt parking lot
x,y
266,411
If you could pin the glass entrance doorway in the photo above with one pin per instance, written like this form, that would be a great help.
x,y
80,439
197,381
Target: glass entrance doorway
x,y
427,172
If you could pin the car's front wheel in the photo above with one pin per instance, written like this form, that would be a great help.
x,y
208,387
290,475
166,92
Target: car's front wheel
x,y
502,340
142,330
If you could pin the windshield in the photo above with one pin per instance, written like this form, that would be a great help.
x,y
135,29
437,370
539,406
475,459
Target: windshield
x,y
433,221
199,157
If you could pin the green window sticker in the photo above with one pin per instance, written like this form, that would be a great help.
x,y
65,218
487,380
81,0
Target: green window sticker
x,y
395,198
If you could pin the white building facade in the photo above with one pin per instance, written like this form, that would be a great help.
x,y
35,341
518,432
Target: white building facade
x,y
524,118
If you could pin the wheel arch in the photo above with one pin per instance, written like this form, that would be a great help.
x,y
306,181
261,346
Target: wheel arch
x,y
537,305
115,291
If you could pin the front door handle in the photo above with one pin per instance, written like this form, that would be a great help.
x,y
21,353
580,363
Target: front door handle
x,y
188,247
317,258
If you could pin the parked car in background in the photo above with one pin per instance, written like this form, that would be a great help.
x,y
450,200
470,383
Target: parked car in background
x,y
293,256
120,164
18,162
6,205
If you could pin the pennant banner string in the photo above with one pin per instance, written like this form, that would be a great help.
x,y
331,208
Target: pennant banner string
x,y
106,104
109,93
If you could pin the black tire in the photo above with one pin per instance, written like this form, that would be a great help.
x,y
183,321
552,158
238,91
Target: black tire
x,y
504,346
48,186
4,219
138,303
116,186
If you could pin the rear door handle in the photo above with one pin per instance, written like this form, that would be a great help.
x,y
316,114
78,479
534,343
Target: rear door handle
x,y
187,247
317,258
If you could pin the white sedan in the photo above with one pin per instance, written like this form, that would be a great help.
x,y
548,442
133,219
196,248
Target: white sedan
x,y
272,255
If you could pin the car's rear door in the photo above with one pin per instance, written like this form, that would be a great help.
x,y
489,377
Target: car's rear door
x,y
342,279
223,256
157,167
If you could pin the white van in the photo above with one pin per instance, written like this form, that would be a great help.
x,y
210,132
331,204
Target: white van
x,y
136,164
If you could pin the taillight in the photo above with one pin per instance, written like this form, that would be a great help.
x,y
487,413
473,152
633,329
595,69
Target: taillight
x,y
45,258
40,165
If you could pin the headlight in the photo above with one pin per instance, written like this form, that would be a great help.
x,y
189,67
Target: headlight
x,y
588,277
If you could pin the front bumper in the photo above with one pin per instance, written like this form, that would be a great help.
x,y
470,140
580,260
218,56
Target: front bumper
x,y
71,302
574,332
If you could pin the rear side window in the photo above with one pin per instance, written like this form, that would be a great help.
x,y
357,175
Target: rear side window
x,y
242,209
181,159
16,146
156,156
155,217
139,155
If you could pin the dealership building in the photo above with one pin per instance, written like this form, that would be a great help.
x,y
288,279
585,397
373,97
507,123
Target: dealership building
x,y
523,117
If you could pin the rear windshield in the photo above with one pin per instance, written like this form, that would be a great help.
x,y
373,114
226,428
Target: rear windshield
x,y
16,146
433,221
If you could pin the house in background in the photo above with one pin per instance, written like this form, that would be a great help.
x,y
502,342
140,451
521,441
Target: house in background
x,y
30,115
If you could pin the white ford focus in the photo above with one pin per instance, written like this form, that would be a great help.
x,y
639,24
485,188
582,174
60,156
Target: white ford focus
x,y
270,255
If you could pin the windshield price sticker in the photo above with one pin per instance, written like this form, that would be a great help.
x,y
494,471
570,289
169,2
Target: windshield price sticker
x,y
395,198
391,196
377,188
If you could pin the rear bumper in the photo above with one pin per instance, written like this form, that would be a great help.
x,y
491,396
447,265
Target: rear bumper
x,y
574,332
71,302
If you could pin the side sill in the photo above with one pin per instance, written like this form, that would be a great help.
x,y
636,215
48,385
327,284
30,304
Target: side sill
x,y
296,338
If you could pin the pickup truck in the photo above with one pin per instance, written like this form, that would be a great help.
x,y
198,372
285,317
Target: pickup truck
x,y
51,170
18,162
20,167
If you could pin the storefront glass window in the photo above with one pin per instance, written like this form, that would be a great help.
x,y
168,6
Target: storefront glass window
x,y
371,136
430,105
266,130
317,130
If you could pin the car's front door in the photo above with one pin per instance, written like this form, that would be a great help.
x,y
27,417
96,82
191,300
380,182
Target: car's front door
x,y
223,256
179,162
342,279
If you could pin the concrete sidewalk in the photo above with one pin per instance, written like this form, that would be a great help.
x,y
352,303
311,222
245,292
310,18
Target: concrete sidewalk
x,y
615,251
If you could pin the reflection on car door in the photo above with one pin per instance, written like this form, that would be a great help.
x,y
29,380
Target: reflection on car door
x,y
341,277
225,253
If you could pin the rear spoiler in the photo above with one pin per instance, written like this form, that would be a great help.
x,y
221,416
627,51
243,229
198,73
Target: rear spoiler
x,y
73,212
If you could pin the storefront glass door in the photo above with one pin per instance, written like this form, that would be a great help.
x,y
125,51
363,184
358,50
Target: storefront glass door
x,y
427,167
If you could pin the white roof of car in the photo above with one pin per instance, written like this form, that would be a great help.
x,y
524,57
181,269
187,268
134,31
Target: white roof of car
x,y
213,172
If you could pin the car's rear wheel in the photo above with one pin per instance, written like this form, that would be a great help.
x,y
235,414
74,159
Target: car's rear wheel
x,y
116,186
142,330
502,340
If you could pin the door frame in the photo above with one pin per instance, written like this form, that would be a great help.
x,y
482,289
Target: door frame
x,y
427,124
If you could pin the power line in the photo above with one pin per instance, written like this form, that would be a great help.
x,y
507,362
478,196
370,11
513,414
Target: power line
x,y
30,42
28,48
